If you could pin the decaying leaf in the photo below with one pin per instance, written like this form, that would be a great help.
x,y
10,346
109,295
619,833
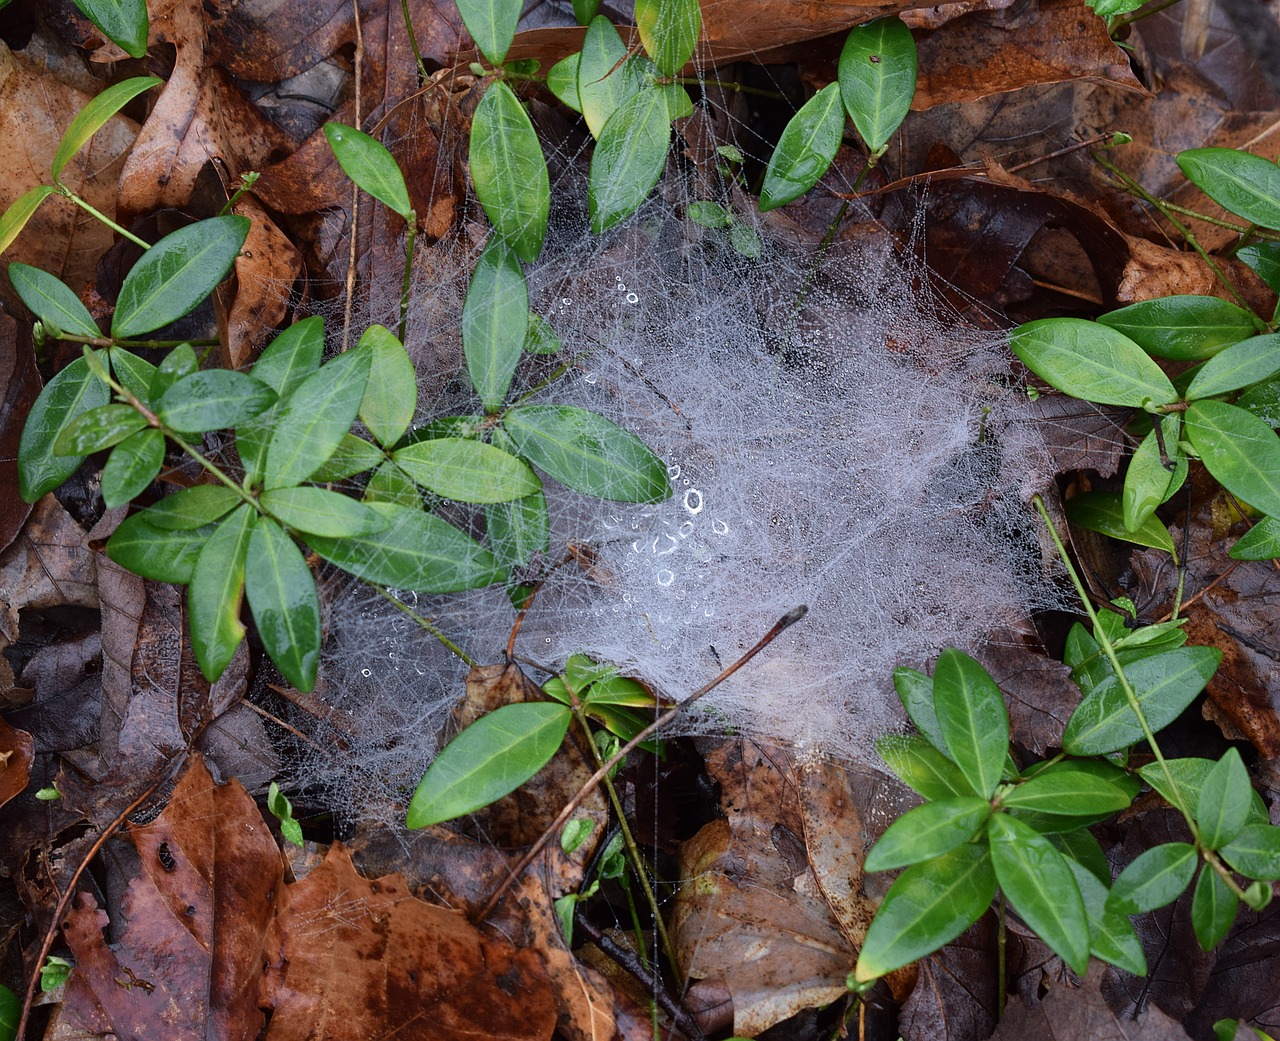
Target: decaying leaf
x,y
16,750
19,385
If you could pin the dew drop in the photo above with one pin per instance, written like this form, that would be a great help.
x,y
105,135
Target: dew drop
x,y
685,529
632,298
664,578
673,471
720,527
693,501
365,673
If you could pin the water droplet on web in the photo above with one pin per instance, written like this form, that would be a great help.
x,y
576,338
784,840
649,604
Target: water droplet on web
x,y
720,527
686,529
565,301
693,501
632,298
673,471
664,578
590,377
708,612
365,673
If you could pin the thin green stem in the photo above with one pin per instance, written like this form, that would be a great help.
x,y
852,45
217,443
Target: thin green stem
x,y
94,212
410,239
107,341
736,88
1248,231
424,623
246,182
423,74
1136,16
1002,957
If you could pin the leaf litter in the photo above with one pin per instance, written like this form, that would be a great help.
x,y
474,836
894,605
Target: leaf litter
x,y
210,930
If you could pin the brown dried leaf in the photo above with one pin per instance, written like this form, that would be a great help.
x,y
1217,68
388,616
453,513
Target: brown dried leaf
x,y
19,386
16,752
265,272
1082,1012
1155,270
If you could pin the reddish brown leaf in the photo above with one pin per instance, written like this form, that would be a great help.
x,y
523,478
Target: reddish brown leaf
x,y
1082,1012
265,272
16,752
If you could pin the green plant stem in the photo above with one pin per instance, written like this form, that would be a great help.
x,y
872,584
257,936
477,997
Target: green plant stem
x,y
423,74
1250,232
94,212
1002,957
425,623
736,88
107,341
246,182
1121,21
411,237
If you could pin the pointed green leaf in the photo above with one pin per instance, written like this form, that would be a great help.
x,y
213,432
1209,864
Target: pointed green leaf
x,y
1146,483
1183,328
71,393
282,597
193,507
131,467
213,399
562,81
921,767
708,214
1250,361
1213,909
629,157
285,362
391,484
1189,775
215,592
1223,808
1156,877
51,301
315,417
1079,846
176,274
1103,512
94,116
669,30
136,375
1261,542
491,758
929,905
1264,258
1239,450
391,394
178,364
1244,184
19,212
370,166
972,717
1111,935
540,337
585,10
317,511
123,21
468,471
282,810
878,78
1091,361
509,171
1255,852
517,529
157,553
806,149
492,24
97,429
1075,788
353,455
1263,400
588,453
494,318
606,76
928,831
915,691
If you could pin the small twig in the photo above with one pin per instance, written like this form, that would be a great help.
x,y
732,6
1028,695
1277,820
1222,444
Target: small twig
x,y
355,188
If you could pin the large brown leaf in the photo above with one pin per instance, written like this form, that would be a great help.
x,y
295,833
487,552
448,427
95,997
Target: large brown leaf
x,y
16,750
19,385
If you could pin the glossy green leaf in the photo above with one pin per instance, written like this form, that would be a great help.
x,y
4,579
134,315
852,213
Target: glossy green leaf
x,y
71,393
509,171
588,453
1263,400
417,551
1091,361
176,274
629,157
282,810
1250,361
921,767
1244,184
391,393
213,399
51,301
1040,886
915,691
1213,909
468,471
1075,788
1189,774
1111,934
562,81
1255,852
282,596
669,30
99,428
606,76
94,116
745,240
353,455
131,467
708,214
1104,512
1223,808
1261,542
392,485
1264,258
193,507
283,365
315,417
1146,482
491,758
123,21
1156,877
1165,684
878,79
928,831
494,319
518,529
806,149
317,511
539,336
1079,846
178,364
972,718
136,375
585,10
19,212
1183,328
368,163
929,905
1239,450
492,24
159,554
216,590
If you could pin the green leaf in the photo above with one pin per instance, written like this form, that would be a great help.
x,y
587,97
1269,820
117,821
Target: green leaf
x,y
929,905
1104,512
972,718
1146,483
629,157
1156,877
588,453
1111,935
669,30
518,529
1112,8
135,374
1223,808
51,301
10,1013
915,691
1264,258
606,76
1244,184
213,400
94,116
1091,361
391,393
1165,684
370,166
1255,852
509,171
283,365
585,10
315,418
282,810
928,831
494,319
123,21
468,471
1239,450
1183,328
1189,775
562,81
1041,887
20,211
1241,364
193,507
131,467
317,511
417,551
178,364
282,596
215,592
806,149
1075,788
71,393
744,240
491,758
539,336
353,455
1261,542
97,429
878,79
921,767
176,274
492,24
1079,846
708,214
391,484
1213,909
157,553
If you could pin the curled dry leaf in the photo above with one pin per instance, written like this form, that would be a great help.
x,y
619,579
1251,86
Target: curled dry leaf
x,y
265,272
